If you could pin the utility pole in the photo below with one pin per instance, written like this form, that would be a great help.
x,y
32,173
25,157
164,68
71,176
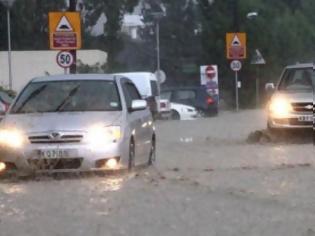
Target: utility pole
x,y
9,49
73,67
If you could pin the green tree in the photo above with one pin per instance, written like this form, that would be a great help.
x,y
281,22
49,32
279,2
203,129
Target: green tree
x,y
111,40
29,24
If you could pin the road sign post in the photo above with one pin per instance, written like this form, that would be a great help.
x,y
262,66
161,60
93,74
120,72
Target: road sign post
x,y
236,66
236,50
236,92
65,33
258,60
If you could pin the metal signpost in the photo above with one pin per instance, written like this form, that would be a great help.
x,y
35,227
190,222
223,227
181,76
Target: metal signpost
x,y
236,66
258,60
236,50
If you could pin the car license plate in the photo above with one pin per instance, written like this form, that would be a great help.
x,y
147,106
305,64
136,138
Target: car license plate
x,y
305,118
53,154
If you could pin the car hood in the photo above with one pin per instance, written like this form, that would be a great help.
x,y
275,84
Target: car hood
x,y
65,121
295,97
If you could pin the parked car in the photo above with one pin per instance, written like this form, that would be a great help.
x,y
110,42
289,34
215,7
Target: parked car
x,y
192,96
77,123
183,112
291,105
147,84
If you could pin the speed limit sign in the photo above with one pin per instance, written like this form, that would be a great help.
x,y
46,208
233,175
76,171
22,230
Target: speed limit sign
x,y
236,65
64,59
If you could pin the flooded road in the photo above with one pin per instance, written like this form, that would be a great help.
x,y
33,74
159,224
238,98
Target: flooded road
x,y
207,181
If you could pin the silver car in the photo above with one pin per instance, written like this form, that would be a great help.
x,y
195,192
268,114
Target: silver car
x,y
291,105
77,123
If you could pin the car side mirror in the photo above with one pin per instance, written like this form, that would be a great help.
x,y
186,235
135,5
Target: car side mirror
x,y
270,87
138,105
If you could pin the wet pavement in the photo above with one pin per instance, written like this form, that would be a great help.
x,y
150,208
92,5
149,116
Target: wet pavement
x,y
208,180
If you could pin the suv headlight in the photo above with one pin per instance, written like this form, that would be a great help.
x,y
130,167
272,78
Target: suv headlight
x,y
280,107
11,138
99,135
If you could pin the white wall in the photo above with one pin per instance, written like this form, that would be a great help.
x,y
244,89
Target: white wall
x,y
29,64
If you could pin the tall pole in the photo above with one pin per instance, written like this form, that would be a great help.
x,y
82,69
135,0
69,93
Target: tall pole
x,y
9,49
236,91
257,88
158,61
73,67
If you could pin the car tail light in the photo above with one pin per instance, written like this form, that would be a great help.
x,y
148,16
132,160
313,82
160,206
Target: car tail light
x,y
210,101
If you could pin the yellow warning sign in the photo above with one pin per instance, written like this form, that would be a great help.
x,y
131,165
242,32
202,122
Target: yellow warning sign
x,y
65,30
236,46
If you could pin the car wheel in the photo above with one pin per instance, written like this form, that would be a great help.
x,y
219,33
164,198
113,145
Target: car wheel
x,y
175,115
152,157
131,162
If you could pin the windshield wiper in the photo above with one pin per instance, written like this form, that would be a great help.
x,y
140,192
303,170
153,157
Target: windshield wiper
x,y
66,100
30,97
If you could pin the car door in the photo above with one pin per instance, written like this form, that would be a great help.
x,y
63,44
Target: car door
x,y
139,122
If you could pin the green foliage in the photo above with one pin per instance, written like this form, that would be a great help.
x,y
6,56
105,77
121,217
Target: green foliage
x,y
111,41
29,24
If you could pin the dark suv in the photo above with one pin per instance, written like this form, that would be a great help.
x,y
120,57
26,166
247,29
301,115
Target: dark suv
x,y
197,97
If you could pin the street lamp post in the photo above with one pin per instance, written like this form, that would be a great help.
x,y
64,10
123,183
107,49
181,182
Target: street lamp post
x,y
252,16
8,4
157,17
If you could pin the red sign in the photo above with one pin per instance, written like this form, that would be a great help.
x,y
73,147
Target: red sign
x,y
64,40
210,72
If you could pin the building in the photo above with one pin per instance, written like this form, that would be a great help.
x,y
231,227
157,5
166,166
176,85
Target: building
x,y
29,64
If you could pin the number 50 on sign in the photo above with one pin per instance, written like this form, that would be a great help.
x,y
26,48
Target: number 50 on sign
x,y
64,59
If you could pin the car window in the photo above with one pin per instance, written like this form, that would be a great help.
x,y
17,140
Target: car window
x,y
298,79
166,95
68,96
185,94
131,93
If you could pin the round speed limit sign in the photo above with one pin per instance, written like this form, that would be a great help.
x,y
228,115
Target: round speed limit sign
x,y
236,65
64,59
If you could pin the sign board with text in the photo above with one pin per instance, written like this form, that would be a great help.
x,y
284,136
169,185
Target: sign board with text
x,y
236,46
65,30
210,79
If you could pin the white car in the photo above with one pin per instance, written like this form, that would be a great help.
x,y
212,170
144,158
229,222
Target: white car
x,y
183,112
77,123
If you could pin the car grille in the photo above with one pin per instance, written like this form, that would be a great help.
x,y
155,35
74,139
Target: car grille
x,y
303,107
58,139
56,164
294,121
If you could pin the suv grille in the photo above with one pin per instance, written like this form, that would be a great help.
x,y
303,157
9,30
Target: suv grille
x,y
66,138
303,107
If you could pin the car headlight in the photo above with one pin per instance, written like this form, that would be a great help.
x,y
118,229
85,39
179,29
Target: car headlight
x,y
99,135
280,107
11,138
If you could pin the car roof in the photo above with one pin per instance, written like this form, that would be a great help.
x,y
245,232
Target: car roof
x,y
106,77
298,66
138,75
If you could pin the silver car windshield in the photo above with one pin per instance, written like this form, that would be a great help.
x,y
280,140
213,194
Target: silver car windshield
x,y
68,96
298,79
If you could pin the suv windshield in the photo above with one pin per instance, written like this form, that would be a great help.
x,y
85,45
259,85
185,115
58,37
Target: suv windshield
x,y
298,79
68,96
